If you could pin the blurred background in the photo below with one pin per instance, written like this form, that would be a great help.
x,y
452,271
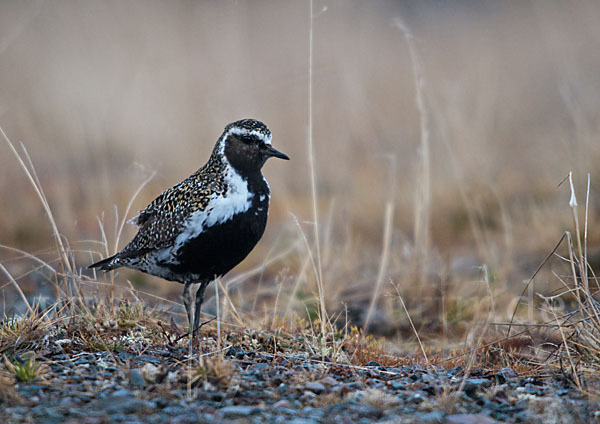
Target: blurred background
x,y
103,95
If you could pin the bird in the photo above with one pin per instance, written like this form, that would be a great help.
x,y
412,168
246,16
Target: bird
x,y
199,229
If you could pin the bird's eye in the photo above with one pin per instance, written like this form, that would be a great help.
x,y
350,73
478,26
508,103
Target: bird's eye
x,y
248,139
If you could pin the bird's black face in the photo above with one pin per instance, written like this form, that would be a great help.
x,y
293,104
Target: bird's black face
x,y
248,146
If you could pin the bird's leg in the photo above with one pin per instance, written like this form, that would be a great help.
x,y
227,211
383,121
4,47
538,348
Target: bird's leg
x,y
187,301
199,300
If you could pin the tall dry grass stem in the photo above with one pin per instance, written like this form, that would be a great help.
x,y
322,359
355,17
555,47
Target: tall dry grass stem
x,y
64,262
313,174
17,287
383,263
573,205
422,213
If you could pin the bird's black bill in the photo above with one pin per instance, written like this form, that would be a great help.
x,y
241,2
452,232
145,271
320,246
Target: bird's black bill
x,y
276,153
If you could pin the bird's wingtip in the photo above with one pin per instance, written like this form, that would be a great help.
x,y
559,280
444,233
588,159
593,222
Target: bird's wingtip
x,y
104,264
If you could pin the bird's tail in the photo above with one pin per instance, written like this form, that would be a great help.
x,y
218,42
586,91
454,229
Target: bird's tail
x,y
107,264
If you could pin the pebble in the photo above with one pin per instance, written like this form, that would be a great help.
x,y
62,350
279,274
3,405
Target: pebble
x,y
470,419
160,402
136,379
66,402
95,389
132,405
428,378
283,403
434,417
307,396
150,372
28,391
121,392
240,410
302,421
397,384
328,381
172,410
508,373
260,367
315,387
484,382
236,351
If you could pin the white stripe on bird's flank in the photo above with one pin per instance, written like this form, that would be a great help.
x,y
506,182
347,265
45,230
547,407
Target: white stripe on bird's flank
x,y
220,208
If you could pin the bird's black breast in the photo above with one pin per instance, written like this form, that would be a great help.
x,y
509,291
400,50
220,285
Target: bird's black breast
x,y
219,248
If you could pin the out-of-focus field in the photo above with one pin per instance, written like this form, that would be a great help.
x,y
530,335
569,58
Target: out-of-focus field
x,y
104,94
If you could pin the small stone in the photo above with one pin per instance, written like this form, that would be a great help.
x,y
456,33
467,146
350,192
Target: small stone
x,y
150,372
76,413
484,382
213,395
66,402
434,417
260,367
315,387
173,377
236,351
136,379
416,398
240,410
397,384
533,390
172,410
161,402
307,396
48,416
328,381
283,403
121,393
302,421
373,364
118,417
128,405
29,390
469,419
507,374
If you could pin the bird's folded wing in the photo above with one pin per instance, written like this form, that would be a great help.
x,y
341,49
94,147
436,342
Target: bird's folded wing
x,y
164,218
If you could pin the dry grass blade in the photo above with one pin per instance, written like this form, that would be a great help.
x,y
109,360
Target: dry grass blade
x,y
412,326
422,203
17,287
313,175
128,208
535,273
31,175
383,264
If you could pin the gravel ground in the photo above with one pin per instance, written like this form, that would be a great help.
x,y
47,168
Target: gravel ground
x,y
249,387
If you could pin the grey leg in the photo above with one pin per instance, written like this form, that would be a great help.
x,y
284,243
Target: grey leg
x,y
187,302
199,300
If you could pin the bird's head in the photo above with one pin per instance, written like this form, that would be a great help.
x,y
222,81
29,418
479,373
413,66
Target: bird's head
x,y
247,145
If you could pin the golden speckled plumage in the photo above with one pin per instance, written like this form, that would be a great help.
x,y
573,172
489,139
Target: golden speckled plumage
x,y
162,220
